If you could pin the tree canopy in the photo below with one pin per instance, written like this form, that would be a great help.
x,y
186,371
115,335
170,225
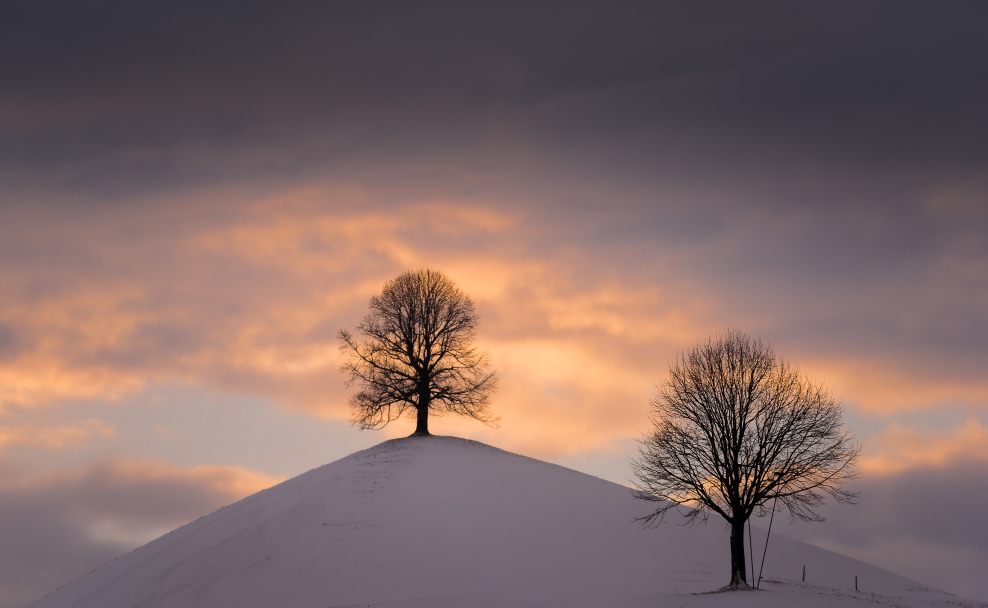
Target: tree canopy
x,y
735,427
416,355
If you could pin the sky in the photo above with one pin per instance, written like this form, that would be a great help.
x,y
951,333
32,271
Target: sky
x,y
195,197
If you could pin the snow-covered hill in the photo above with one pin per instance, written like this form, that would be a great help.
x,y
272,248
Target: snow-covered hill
x,y
443,522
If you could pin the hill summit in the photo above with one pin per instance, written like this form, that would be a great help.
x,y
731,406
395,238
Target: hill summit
x,y
442,522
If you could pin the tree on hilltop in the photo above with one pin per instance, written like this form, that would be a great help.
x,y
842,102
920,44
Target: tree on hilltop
x,y
736,427
417,355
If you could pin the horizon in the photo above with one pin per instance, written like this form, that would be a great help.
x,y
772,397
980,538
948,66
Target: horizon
x,y
196,197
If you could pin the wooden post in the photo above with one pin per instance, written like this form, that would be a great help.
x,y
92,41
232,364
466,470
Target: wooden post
x,y
804,573
855,583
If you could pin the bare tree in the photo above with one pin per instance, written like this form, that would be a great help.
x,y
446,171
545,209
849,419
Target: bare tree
x,y
417,355
735,427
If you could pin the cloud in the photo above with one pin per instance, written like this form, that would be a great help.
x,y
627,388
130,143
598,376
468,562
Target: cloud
x,y
59,527
250,303
901,447
886,385
57,437
228,185
245,295
796,105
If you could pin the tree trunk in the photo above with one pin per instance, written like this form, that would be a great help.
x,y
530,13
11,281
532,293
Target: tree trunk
x,y
738,576
422,421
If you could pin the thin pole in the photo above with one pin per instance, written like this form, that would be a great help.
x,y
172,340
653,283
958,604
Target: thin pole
x,y
771,519
751,551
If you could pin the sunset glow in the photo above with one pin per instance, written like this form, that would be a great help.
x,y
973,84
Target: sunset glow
x,y
188,218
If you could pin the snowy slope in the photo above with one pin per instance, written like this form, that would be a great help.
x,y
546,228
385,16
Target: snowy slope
x,y
443,522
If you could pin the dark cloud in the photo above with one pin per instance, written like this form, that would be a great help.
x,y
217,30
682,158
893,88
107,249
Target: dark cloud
x,y
61,528
130,91
941,504
809,140
925,522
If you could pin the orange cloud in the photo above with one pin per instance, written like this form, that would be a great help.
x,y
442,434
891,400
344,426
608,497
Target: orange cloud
x,y
901,447
108,337
296,233
55,437
41,379
877,387
248,303
247,298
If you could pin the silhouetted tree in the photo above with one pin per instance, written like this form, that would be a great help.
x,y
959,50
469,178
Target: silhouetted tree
x,y
417,355
735,427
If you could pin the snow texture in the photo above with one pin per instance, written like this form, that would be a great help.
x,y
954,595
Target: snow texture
x,y
441,522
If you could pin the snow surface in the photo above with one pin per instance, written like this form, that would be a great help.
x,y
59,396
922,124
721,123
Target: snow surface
x,y
444,522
